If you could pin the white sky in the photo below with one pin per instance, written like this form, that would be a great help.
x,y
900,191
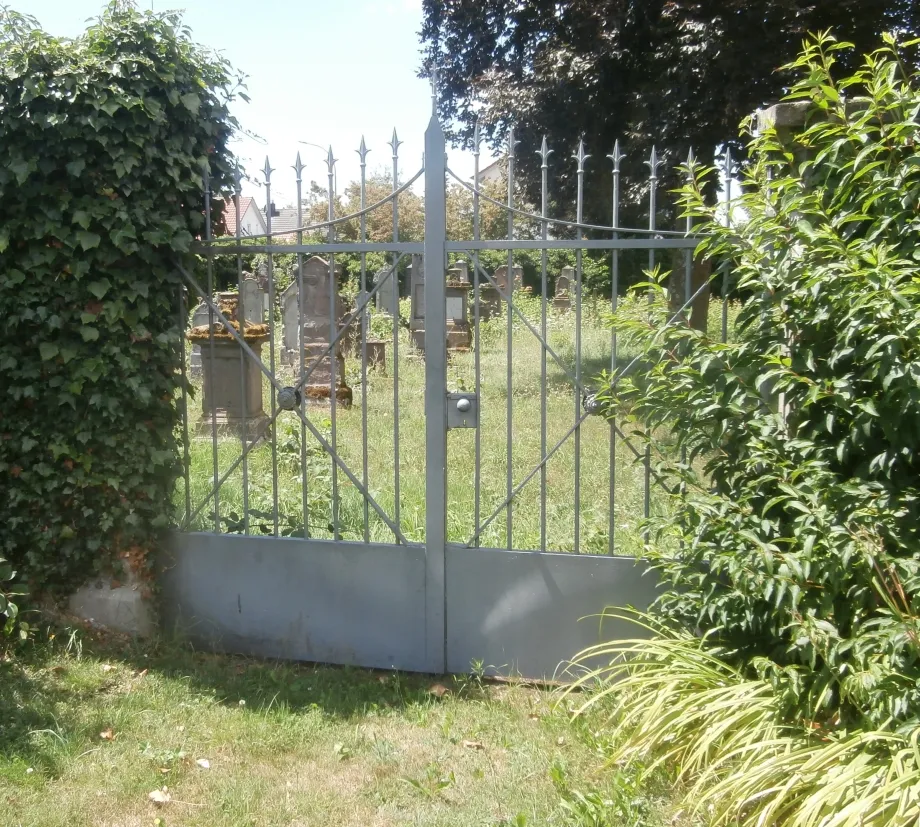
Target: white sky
x,y
318,71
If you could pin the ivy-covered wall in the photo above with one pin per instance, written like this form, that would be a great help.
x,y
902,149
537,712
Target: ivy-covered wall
x,y
105,139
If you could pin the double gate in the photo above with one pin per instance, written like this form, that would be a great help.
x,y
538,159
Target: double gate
x,y
453,507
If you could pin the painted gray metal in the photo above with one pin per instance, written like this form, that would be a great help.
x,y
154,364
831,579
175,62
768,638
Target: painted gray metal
x,y
435,393
316,600
525,613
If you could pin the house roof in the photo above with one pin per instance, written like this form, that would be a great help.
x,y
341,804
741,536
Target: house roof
x,y
284,222
230,212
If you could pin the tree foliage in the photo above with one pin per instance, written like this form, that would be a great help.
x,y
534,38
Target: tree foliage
x,y
795,523
674,73
105,138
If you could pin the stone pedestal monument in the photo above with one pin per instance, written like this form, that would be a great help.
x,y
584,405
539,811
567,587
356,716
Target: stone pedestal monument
x,y
232,386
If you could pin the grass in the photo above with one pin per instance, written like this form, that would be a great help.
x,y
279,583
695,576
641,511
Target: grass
x,y
527,398
90,727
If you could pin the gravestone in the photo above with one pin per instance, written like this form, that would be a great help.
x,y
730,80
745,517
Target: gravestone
x,y
417,303
323,314
199,317
457,294
251,300
501,277
563,298
232,387
384,296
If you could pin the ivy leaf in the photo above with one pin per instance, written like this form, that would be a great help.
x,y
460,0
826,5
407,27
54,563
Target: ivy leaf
x,y
89,334
88,240
48,350
76,167
192,102
99,288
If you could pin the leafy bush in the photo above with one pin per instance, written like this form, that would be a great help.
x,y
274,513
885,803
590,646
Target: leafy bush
x,y
106,138
10,592
793,533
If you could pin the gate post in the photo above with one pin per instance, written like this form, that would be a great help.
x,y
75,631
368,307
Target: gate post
x,y
435,397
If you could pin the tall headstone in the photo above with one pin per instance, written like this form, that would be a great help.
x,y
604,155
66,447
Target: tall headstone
x,y
323,315
501,278
384,296
252,302
290,320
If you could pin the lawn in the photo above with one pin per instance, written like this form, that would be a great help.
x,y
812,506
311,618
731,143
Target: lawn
x,y
90,728
527,398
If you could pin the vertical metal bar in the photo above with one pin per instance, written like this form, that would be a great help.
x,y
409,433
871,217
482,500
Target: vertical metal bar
x,y
509,378
477,471
237,191
728,221
435,398
653,163
299,344
333,329
394,145
688,282
544,153
581,157
183,323
362,154
210,259
616,157
270,265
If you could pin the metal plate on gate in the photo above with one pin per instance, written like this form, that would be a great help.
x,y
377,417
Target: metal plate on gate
x,y
462,410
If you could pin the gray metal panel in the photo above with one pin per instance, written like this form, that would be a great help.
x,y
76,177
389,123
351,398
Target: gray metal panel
x,y
331,602
521,612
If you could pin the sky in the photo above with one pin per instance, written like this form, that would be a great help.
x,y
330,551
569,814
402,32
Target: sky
x,y
319,71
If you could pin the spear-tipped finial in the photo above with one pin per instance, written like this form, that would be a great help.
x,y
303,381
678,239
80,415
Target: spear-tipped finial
x,y
330,160
653,163
544,152
395,143
298,167
267,170
362,152
691,162
237,180
616,156
477,137
512,143
581,156
728,161
433,79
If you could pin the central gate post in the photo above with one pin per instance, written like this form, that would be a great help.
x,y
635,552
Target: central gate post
x,y
435,397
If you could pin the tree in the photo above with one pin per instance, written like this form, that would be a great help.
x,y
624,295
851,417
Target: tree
x,y
674,73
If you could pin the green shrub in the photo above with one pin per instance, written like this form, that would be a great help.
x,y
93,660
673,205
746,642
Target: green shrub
x,y
10,594
793,534
106,139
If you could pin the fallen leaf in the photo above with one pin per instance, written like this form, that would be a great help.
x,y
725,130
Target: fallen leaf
x,y
438,690
560,740
141,674
180,729
473,744
107,667
533,716
164,770
383,678
159,797
107,734
203,763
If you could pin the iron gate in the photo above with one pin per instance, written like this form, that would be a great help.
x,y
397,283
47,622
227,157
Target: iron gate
x,y
388,575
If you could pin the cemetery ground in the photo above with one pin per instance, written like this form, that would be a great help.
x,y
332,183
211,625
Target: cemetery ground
x,y
112,733
526,400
